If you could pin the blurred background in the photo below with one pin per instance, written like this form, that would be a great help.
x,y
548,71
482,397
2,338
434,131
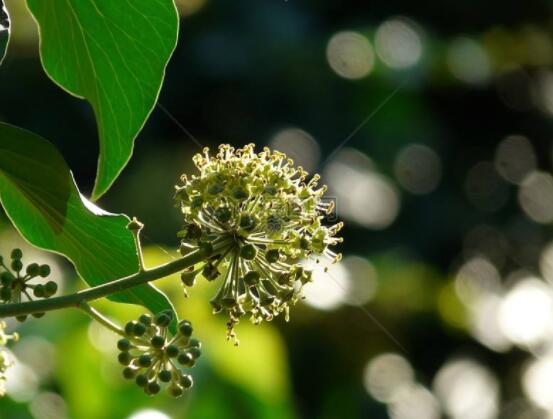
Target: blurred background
x,y
432,125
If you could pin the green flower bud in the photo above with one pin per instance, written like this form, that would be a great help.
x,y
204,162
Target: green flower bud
x,y
145,319
162,320
44,271
38,315
141,380
175,391
16,254
153,388
129,373
124,358
144,360
50,288
124,345
138,329
195,352
210,272
195,343
17,265
6,279
5,293
33,269
188,278
129,328
21,318
185,328
165,376
186,381
223,215
272,255
252,278
172,351
39,291
157,342
248,252
185,359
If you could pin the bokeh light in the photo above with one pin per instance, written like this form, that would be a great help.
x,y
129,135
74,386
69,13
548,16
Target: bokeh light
x,y
362,195
467,390
398,43
515,158
418,169
468,61
535,196
299,146
526,313
329,288
350,55
385,374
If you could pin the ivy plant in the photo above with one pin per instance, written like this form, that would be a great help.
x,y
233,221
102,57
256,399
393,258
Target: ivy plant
x,y
249,218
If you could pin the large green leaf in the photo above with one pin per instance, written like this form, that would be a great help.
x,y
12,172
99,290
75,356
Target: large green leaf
x,y
4,30
40,197
112,53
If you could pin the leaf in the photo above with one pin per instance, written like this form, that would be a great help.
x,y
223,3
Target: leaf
x,y
40,197
4,30
112,53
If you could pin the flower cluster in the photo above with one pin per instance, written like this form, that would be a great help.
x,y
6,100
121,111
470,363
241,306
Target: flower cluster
x,y
152,358
5,360
270,216
16,283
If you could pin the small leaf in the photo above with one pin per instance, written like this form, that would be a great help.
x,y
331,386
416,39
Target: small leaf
x,y
112,53
4,30
40,197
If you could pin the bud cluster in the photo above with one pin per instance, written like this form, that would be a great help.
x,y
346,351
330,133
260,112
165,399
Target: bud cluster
x,y
152,358
5,359
271,216
16,282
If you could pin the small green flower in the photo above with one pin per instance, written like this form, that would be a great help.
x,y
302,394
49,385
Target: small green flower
x,y
5,359
15,283
266,216
154,359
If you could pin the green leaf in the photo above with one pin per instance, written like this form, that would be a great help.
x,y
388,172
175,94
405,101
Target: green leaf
x,y
4,30
40,197
112,53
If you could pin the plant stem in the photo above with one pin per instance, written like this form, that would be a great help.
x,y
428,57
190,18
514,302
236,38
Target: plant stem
x,y
100,318
118,285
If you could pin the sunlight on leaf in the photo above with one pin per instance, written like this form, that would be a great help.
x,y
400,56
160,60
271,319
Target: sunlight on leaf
x,y
113,54
40,197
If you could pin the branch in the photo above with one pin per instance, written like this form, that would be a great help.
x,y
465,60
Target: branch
x,y
142,277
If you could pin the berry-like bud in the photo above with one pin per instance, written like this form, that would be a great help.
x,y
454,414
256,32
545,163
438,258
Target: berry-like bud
x,y
44,271
145,319
124,345
32,269
124,358
16,254
248,252
157,342
185,328
150,355
17,265
50,288
165,376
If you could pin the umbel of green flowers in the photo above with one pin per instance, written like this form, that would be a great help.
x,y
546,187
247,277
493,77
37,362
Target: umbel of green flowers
x,y
5,359
152,358
18,283
272,215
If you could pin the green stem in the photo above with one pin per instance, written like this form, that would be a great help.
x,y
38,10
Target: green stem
x,y
118,285
100,318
